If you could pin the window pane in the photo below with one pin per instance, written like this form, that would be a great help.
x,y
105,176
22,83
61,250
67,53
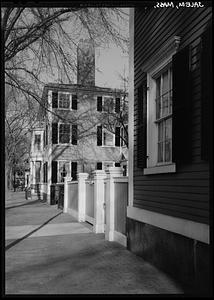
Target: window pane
x,y
168,128
158,99
160,152
165,82
64,133
108,104
107,138
168,150
64,100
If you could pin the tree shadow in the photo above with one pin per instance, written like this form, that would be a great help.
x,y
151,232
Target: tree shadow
x,y
30,233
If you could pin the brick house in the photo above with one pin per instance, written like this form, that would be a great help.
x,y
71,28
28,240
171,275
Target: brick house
x,y
70,137
170,141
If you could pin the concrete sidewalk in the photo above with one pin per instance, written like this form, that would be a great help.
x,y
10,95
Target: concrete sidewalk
x,y
49,252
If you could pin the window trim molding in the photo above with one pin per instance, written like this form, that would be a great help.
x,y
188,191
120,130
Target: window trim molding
x,y
168,49
159,61
165,168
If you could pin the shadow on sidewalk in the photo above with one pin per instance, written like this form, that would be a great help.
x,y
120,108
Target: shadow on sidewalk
x,y
27,235
29,203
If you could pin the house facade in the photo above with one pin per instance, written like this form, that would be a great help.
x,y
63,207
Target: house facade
x,y
170,141
70,137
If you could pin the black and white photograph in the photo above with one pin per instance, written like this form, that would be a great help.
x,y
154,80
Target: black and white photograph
x,y
107,148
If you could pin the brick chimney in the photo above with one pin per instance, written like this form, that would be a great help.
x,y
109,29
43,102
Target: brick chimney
x,y
86,62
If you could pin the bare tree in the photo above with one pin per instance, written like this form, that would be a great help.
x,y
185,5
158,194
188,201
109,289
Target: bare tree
x,y
40,44
114,116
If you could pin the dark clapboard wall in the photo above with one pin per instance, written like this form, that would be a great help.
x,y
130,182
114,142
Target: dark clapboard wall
x,y
183,194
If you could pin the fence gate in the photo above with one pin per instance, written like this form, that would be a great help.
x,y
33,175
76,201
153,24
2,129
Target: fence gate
x,y
89,209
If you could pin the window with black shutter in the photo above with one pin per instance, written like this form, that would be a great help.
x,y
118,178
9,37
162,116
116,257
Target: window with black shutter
x,y
74,170
99,166
54,133
117,105
74,102
64,133
54,171
99,103
99,135
117,136
54,99
142,128
181,108
206,94
74,134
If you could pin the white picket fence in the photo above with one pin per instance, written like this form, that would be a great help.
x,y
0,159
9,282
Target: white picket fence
x,y
101,201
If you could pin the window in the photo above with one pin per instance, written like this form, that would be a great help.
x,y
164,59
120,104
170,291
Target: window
x,y
64,133
108,104
155,103
108,138
104,137
37,142
99,165
63,170
64,100
164,115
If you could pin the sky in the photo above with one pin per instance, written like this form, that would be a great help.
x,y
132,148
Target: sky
x,y
110,63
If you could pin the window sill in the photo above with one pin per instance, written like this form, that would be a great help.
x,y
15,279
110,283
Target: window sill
x,y
160,169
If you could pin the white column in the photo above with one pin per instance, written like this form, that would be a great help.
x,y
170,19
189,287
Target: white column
x,y
66,195
81,195
99,196
112,172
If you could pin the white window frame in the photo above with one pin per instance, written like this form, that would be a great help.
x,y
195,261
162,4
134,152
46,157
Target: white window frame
x,y
161,60
70,99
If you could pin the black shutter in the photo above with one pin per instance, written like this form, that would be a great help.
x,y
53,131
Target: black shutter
x,y
99,166
46,135
74,170
142,120
44,166
181,108
117,136
54,99
74,134
99,103
74,102
117,105
99,135
54,171
206,94
54,133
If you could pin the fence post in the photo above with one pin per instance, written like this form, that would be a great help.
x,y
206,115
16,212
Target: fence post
x,y
66,180
99,200
111,173
81,195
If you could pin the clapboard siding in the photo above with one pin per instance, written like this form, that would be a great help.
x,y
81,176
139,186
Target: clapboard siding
x,y
185,193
